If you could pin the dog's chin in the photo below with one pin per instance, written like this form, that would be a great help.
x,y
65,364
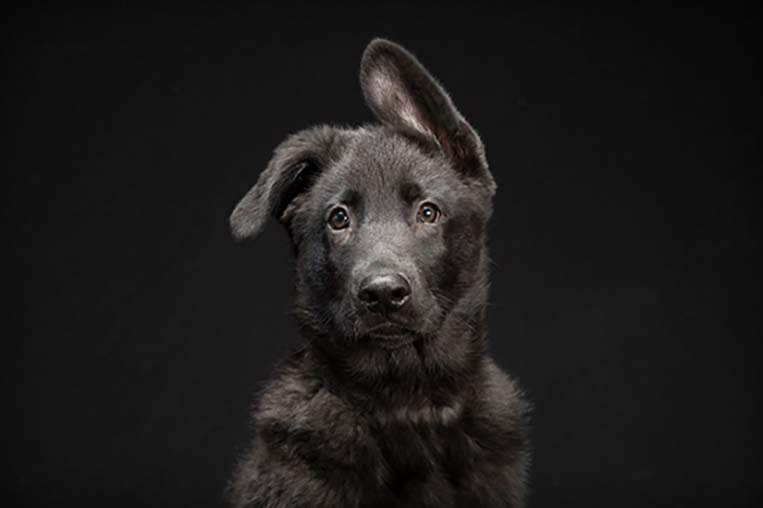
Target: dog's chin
x,y
390,336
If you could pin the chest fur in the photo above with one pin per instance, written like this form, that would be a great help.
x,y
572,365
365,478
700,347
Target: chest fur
x,y
417,444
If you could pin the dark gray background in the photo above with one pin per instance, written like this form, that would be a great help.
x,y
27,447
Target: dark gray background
x,y
626,278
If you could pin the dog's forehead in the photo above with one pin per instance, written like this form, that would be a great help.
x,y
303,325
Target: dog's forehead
x,y
380,161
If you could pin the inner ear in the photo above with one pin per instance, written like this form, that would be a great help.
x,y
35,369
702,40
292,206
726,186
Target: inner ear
x,y
396,103
305,173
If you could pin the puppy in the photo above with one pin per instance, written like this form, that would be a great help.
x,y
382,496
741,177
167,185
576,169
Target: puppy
x,y
392,399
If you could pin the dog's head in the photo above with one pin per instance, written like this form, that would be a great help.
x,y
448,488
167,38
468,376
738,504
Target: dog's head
x,y
388,221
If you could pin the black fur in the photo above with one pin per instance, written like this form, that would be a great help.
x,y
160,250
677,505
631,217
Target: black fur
x,y
395,405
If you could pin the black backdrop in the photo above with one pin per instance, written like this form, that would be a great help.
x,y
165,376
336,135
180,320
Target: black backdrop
x,y
626,289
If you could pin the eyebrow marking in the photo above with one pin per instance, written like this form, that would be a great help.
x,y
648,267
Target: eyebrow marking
x,y
410,191
351,197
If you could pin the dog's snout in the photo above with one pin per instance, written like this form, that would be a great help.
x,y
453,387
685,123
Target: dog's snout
x,y
384,292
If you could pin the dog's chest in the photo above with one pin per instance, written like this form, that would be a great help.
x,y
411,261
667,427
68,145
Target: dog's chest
x,y
424,450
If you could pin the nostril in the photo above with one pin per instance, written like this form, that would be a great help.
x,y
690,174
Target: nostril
x,y
399,295
368,295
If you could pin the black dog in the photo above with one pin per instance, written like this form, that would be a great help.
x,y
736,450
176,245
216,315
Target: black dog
x,y
392,401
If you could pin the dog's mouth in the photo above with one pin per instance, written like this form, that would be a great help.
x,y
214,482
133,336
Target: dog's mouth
x,y
391,336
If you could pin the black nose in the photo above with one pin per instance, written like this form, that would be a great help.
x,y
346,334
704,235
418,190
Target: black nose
x,y
384,293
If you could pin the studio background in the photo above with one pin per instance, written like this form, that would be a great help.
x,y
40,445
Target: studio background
x,y
626,277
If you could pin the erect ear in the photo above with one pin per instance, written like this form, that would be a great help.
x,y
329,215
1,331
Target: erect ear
x,y
295,164
402,94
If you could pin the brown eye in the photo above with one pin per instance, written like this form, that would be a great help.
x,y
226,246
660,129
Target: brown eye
x,y
428,212
339,218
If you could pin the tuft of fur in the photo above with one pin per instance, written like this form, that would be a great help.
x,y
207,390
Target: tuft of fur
x,y
422,417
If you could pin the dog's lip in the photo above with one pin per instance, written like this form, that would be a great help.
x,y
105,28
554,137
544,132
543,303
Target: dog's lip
x,y
389,330
391,336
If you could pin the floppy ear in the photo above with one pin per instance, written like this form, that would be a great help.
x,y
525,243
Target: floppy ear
x,y
402,94
295,164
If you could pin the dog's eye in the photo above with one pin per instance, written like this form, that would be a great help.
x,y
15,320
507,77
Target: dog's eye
x,y
339,218
428,212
